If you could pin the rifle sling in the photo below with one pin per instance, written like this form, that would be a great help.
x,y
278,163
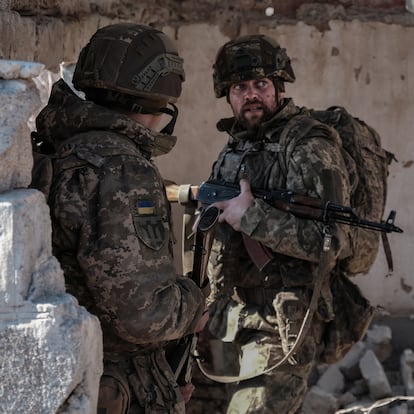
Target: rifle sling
x,y
387,251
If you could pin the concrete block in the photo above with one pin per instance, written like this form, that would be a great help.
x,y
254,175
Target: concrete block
x,y
346,399
318,401
52,352
359,387
25,249
20,99
17,69
332,381
407,371
349,364
373,372
378,334
378,338
51,346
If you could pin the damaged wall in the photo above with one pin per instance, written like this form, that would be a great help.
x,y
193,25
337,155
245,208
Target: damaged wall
x,y
366,67
352,53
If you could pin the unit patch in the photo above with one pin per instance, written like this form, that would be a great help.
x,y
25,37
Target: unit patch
x,y
148,223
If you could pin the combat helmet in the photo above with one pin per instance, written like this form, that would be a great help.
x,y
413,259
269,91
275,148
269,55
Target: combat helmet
x,y
250,57
133,66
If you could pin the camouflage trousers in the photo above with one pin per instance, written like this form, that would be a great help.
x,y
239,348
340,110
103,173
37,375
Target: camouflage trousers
x,y
281,390
252,332
143,384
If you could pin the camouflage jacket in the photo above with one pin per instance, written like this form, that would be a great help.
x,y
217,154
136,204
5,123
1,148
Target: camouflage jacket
x,y
112,225
312,165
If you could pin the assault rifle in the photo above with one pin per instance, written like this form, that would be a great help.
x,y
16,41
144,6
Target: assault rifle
x,y
301,206
306,207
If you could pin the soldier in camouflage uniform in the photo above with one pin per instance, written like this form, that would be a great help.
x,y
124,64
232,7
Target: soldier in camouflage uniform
x,y
255,312
110,215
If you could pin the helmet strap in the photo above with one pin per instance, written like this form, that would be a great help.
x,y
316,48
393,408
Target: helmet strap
x,y
279,87
169,128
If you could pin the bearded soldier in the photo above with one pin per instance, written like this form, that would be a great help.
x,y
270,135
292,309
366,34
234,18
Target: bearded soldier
x,y
258,306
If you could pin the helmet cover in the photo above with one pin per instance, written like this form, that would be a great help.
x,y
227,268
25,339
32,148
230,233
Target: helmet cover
x,y
250,57
132,59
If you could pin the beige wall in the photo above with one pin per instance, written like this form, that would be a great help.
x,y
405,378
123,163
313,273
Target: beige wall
x,y
366,67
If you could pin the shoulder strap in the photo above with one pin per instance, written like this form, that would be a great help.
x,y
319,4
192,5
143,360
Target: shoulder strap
x,y
75,152
296,129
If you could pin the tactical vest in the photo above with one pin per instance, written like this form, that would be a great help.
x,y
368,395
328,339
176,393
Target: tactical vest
x,y
259,162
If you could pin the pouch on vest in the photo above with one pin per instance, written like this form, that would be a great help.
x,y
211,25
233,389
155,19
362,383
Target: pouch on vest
x,y
353,314
154,384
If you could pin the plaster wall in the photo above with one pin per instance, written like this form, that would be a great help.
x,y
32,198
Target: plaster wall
x,y
366,67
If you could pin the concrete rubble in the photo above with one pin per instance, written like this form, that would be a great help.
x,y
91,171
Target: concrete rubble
x,y
369,379
374,377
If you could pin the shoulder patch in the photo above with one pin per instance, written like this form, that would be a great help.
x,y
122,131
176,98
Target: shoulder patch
x,y
148,223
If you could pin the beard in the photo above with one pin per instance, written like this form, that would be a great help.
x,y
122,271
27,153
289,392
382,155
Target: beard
x,y
252,123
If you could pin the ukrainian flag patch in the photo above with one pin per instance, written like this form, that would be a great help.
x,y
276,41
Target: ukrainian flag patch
x,y
144,207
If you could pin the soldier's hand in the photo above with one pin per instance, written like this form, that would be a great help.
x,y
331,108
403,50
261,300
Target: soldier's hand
x,y
234,209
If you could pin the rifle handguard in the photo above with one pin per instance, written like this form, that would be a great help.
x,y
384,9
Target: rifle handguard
x,y
184,193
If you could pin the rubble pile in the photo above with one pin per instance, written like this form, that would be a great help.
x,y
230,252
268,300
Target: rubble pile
x,y
371,378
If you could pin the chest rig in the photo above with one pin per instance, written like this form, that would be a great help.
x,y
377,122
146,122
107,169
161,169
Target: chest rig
x,y
258,161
